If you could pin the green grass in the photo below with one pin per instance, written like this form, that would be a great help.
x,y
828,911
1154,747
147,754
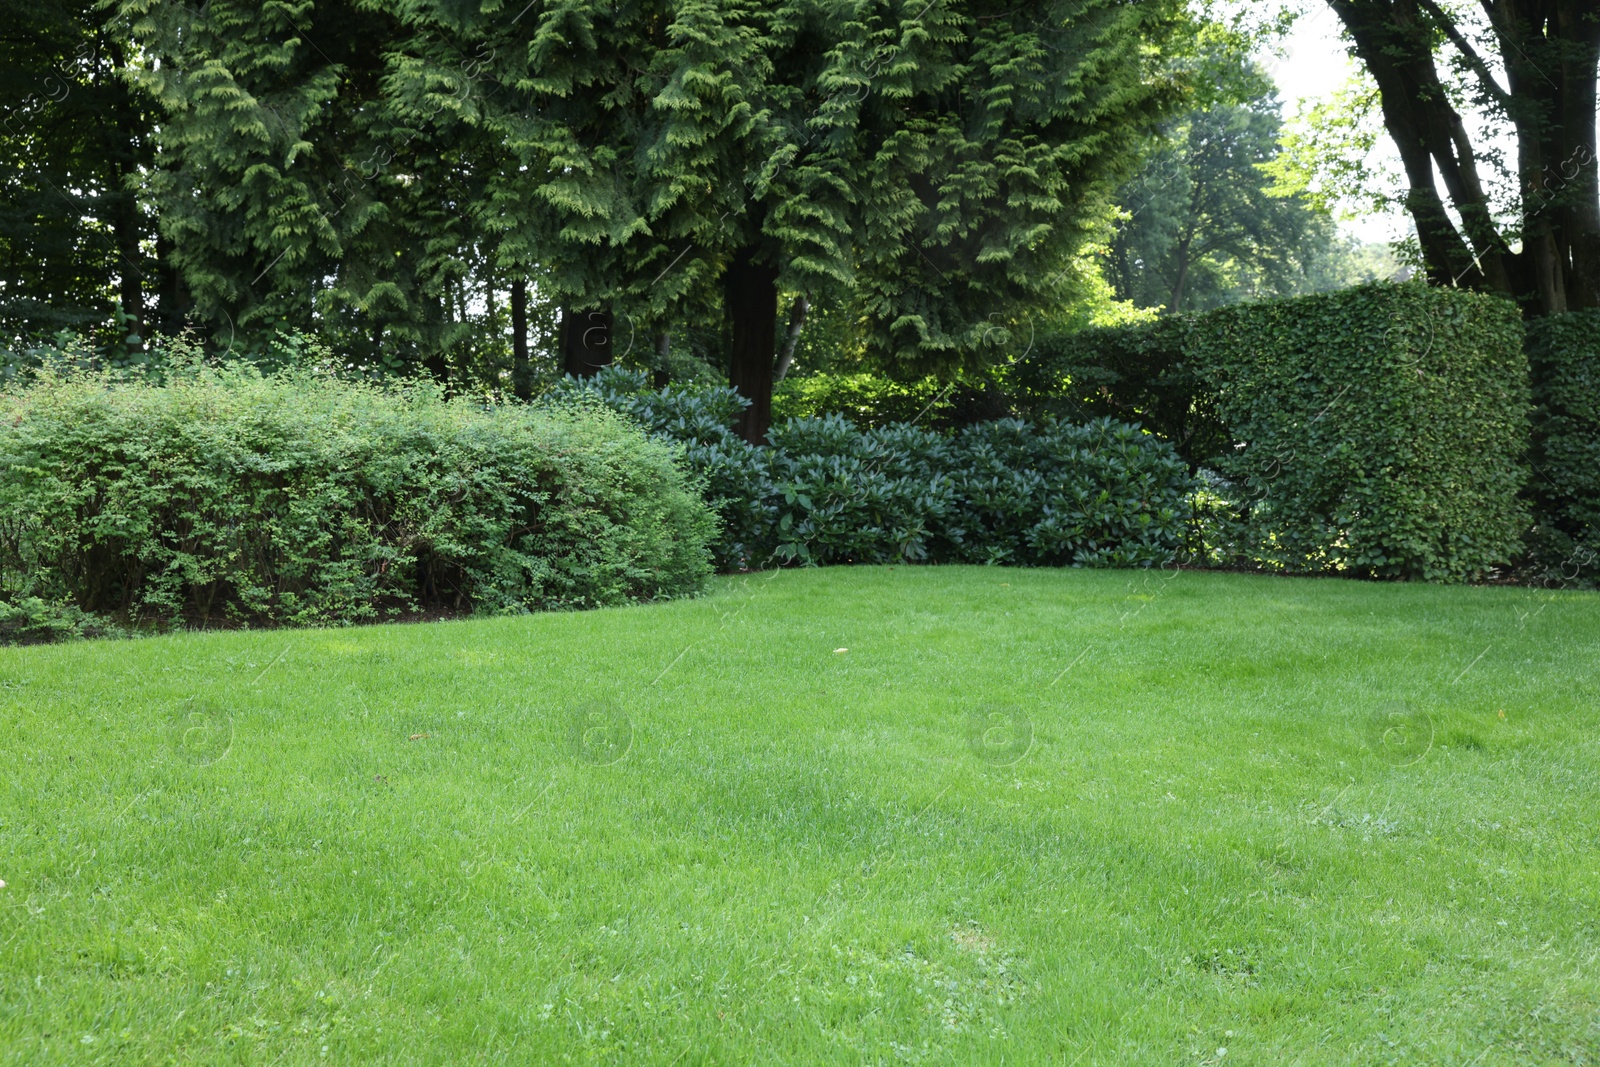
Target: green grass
x,y
1304,821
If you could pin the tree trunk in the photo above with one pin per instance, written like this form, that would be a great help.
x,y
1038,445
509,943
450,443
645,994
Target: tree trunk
x,y
1175,300
1581,214
750,294
1548,50
127,224
174,295
521,369
585,341
797,322
126,234
660,377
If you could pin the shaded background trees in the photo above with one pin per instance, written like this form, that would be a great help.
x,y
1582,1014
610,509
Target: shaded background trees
x,y
1208,222
77,243
494,194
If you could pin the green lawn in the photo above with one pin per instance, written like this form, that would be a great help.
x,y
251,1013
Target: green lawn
x,y
1301,821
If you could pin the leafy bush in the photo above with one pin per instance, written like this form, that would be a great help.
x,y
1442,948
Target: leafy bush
x,y
1101,494
226,495
1379,430
824,491
30,620
1564,354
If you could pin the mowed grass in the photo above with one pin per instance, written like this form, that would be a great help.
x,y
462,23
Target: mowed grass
x,y
864,815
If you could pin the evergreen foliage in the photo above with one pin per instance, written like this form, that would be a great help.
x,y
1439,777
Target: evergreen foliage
x,y
75,238
373,166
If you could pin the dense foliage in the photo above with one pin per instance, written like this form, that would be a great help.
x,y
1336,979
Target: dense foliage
x,y
224,496
378,170
1564,354
1139,372
1379,431
1208,226
76,239
1005,491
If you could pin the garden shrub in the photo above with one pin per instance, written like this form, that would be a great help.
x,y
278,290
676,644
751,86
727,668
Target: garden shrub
x,y
223,495
1564,356
1102,494
1379,430
826,491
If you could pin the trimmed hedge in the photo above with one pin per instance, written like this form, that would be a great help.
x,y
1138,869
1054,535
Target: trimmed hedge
x,y
1005,491
226,496
1379,430
1564,354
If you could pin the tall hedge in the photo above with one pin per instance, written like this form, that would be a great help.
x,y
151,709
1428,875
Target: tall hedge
x,y
1380,430
224,496
1564,354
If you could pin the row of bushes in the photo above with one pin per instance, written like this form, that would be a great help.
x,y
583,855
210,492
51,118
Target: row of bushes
x,y
226,496
1381,431
223,496
822,491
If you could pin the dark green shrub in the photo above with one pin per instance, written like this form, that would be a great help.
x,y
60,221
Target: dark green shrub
x,y
228,496
1378,431
1100,494
824,491
1564,356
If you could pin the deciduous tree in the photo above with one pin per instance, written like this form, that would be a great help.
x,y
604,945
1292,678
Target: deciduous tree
x,y
1528,66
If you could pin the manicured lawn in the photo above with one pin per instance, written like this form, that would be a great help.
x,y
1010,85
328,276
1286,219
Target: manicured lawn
x,y
1302,821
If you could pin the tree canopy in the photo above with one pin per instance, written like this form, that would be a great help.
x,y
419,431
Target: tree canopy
x,y
74,236
1208,222
1523,67
378,166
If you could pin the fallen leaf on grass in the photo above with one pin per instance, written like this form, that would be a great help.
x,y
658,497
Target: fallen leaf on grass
x,y
420,737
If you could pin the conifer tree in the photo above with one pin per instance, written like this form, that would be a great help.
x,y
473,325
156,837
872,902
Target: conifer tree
x,y
942,161
935,163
